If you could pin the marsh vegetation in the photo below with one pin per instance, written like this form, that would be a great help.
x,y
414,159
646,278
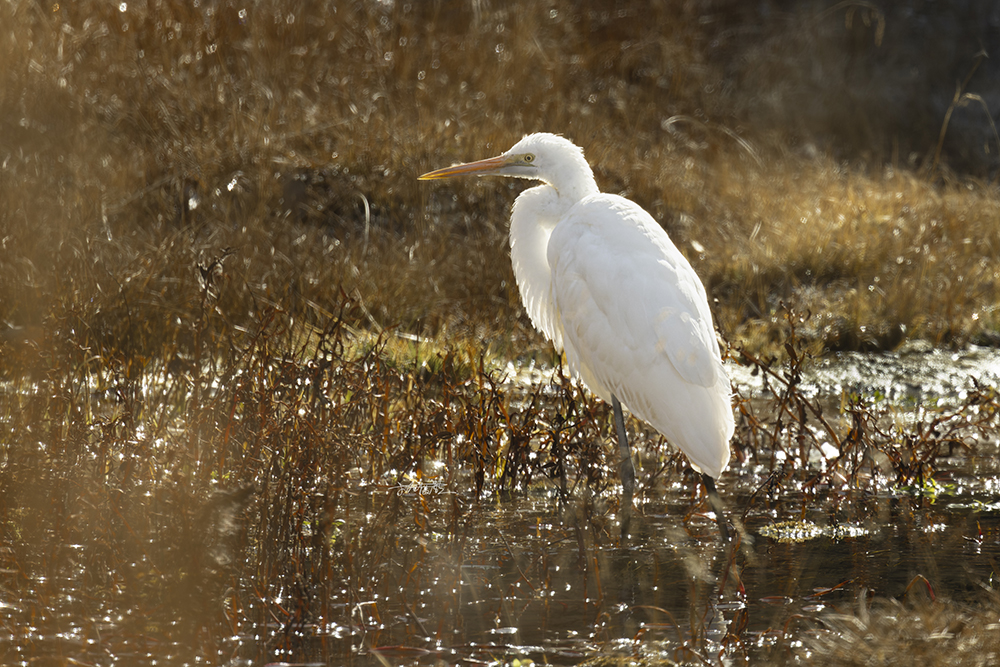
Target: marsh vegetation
x,y
265,397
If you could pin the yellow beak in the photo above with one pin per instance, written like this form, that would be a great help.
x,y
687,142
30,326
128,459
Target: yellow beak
x,y
479,168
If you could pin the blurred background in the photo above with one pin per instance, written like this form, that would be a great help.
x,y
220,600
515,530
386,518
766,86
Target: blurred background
x,y
840,156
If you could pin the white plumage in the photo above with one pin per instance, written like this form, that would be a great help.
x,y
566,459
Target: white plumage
x,y
602,280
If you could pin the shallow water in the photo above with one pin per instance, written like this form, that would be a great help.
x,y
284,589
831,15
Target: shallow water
x,y
915,374
545,581
417,572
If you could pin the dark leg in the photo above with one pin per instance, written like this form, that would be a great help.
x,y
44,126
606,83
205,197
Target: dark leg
x,y
716,502
626,470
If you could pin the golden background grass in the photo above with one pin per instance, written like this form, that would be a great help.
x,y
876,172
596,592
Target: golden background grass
x,y
787,150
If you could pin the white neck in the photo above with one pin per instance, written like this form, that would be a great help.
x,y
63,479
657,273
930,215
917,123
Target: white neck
x,y
535,215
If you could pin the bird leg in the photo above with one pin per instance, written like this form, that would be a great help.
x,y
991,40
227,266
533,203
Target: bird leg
x,y
626,469
716,502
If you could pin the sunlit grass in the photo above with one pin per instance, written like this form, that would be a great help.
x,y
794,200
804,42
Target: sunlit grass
x,y
141,141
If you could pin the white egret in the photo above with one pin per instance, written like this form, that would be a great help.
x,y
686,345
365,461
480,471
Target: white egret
x,y
603,281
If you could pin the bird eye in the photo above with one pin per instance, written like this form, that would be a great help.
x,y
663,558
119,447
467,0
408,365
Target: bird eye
x,y
528,157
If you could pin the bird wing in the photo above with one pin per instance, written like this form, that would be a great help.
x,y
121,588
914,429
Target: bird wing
x,y
623,289
636,324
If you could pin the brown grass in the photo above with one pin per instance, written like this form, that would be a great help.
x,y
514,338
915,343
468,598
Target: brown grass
x,y
886,631
297,130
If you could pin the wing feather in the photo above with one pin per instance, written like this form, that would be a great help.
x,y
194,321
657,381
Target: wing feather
x,y
636,324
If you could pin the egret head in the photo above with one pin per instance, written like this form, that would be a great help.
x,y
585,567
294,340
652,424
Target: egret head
x,y
541,156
